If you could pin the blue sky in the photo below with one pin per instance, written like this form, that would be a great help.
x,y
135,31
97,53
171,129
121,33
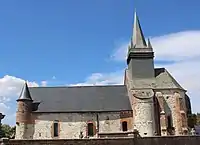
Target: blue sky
x,y
75,39
41,39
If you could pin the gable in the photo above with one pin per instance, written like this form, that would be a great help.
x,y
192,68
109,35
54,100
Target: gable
x,y
81,99
164,80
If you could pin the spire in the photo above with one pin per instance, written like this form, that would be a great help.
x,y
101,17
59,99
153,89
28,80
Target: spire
x,y
138,39
139,48
25,94
149,43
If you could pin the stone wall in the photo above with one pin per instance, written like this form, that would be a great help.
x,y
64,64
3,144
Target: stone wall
x,y
172,104
183,140
71,124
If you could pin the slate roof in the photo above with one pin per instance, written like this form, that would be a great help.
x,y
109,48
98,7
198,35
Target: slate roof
x,y
81,98
89,98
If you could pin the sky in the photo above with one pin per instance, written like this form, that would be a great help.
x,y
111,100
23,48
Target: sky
x,y
76,42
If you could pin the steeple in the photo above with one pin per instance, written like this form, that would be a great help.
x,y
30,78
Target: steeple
x,y
138,39
141,80
138,48
25,94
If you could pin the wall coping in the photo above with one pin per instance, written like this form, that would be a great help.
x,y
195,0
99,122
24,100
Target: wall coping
x,y
109,138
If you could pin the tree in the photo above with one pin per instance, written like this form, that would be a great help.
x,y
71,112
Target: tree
x,y
192,120
7,131
198,119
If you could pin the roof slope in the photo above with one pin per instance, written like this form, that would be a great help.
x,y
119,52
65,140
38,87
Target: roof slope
x,y
164,80
81,99
93,98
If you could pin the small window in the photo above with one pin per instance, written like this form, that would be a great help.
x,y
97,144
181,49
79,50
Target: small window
x,y
124,126
169,121
55,129
90,129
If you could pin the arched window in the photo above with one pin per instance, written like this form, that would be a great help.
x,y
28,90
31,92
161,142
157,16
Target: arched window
x,y
124,126
90,129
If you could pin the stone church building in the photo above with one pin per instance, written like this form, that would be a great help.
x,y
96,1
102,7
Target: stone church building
x,y
150,101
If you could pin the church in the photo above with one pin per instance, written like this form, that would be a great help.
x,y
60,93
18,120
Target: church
x,y
150,102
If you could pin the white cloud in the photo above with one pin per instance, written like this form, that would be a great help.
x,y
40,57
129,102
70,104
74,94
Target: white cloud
x,y
44,83
120,52
3,107
175,46
10,88
102,79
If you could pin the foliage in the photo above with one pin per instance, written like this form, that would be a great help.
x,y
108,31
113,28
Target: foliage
x,y
7,131
193,119
198,119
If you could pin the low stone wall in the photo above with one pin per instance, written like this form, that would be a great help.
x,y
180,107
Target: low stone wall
x,y
182,140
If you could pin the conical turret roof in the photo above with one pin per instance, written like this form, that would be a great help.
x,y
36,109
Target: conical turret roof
x,y
25,94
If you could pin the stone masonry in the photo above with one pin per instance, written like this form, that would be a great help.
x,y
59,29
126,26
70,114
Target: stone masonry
x,y
71,124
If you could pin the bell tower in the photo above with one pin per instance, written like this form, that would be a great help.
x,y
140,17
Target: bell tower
x,y
141,80
140,55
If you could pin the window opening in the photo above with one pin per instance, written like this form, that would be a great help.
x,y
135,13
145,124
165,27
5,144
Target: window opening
x,y
90,129
169,122
124,126
55,129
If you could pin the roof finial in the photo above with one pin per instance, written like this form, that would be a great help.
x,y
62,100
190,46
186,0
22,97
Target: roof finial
x,y
138,37
149,43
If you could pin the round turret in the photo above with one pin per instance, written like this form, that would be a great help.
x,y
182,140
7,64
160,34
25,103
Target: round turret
x,y
24,118
24,106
